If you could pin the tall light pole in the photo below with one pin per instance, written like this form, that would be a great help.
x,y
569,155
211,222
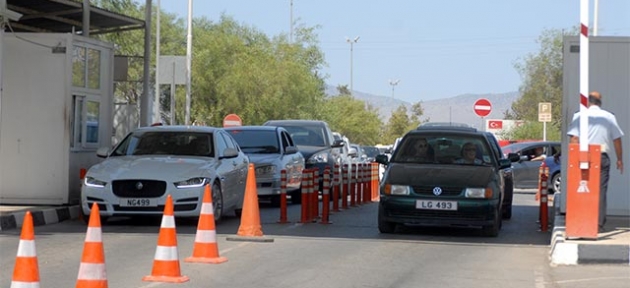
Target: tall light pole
x,y
189,61
393,83
351,41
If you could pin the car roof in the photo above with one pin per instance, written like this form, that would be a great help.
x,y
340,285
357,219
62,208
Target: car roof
x,y
442,124
531,143
178,128
294,122
446,129
253,128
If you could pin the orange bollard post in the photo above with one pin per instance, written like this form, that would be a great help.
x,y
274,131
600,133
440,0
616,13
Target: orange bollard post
x,y
544,206
352,185
345,179
335,192
283,197
540,173
326,197
315,194
359,184
304,192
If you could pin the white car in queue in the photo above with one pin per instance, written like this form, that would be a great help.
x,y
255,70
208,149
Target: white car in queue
x,y
151,163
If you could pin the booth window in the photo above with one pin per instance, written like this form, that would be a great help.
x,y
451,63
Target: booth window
x,y
86,67
86,122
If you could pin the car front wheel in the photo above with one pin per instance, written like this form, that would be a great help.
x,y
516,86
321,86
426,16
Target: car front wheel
x,y
217,202
493,230
384,226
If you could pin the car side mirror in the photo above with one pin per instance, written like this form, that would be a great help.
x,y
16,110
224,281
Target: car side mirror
x,y
381,159
338,143
290,150
102,152
514,157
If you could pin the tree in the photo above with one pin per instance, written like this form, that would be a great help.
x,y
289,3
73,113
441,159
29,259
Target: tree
x,y
353,118
542,82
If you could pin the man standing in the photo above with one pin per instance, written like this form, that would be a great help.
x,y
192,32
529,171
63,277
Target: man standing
x,y
603,130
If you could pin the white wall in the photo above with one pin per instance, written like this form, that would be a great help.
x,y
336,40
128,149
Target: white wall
x,y
34,137
37,163
609,73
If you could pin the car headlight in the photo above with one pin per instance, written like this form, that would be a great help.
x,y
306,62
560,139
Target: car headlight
x,y
265,170
93,182
192,183
479,192
396,189
321,157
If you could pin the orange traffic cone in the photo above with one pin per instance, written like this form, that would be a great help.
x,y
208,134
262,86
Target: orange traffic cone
x,y
166,261
92,270
250,228
205,249
26,271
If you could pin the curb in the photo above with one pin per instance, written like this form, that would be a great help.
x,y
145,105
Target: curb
x,y
40,217
571,253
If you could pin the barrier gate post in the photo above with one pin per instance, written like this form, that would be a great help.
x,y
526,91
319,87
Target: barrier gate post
x,y
583,193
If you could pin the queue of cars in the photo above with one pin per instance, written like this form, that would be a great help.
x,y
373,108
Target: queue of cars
x,y
153,162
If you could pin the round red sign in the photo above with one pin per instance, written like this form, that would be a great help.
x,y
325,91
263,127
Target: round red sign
x,y
232,120
482,107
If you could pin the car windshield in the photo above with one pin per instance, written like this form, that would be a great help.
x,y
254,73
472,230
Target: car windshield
x,y
454,149
166,143
307,135
256,141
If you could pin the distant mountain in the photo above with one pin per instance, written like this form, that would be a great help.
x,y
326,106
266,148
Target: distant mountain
x,y
454,109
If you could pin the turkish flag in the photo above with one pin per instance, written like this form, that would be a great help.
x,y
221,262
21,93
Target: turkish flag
x,y
495,124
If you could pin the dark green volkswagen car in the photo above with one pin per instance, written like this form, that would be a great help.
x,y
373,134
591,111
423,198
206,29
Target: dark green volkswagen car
x,y
443,176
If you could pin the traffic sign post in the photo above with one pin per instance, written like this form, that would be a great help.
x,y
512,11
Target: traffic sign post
x,y
232,120
482,108
544,115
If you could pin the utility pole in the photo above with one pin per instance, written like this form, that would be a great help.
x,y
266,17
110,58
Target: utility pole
x,y
188,61
351,41
393,83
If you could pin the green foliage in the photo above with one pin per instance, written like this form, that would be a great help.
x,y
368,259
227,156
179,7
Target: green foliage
x,y
353,118
542,82
531,130
400,122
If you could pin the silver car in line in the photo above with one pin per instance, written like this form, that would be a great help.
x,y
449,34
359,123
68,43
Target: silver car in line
x,y
150,163
271,149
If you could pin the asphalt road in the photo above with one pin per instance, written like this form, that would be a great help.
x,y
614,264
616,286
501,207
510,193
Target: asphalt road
x,y
350,252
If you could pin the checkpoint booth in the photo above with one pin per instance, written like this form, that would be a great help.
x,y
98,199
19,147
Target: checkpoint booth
x,y
609,73
57,99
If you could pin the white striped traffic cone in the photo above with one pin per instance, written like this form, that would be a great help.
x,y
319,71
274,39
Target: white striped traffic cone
x,y
205,249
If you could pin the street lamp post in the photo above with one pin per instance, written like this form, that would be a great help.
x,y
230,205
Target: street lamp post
x,y
351,41
393,83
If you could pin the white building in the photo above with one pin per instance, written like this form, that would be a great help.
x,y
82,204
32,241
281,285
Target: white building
x,y
56,104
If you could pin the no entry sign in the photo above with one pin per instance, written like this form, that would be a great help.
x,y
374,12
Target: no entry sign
x,y
482,107
232,120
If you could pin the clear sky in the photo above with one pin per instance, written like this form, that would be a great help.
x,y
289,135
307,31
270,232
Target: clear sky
x,y
436,49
